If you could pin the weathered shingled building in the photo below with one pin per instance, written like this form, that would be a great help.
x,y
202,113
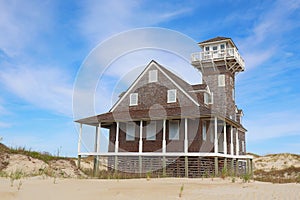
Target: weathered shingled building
x,y
166,126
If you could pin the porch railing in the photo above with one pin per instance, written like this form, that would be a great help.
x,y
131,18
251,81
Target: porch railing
x,y
224,54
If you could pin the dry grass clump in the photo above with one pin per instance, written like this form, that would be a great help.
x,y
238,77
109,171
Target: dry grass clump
x,y
287,175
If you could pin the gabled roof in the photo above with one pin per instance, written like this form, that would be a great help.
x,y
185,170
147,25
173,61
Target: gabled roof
x,y
217,39
178,82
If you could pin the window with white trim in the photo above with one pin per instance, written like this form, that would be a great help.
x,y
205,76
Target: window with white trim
x,y
208,98
133,99
174,130
221,80
211,135
151,131
204,130
222,46
130,131
206,48
243,146
172,96
152,76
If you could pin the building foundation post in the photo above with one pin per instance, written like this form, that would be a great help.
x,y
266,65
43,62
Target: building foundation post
x,y
186,167
140,165
216,166
248,166
232,167
164,174
237,167
251,167
116,164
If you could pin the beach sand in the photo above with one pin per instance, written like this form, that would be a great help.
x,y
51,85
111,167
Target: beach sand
x,y
37,188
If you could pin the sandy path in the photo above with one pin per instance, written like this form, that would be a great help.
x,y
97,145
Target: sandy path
x,y
168,188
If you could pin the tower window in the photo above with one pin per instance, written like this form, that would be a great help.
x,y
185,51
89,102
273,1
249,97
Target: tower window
x,y
232,93
172,96
152,76
204,131
221,80
222,46
133,99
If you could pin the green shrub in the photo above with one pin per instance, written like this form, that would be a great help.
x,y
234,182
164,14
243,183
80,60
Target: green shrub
x,y
246,177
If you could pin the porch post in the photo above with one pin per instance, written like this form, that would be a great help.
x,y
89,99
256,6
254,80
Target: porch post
x,y
164,143
97,149
225,138
237,145
216,146
141,147
231,140
141,137
117,145
216,136
186,160
98,137
186,136
117,138
79,146
164,148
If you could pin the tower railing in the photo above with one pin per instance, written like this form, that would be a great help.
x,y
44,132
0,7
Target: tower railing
x,y
221,54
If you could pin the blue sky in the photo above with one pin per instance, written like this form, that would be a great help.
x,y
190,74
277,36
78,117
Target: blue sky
x,y
44,43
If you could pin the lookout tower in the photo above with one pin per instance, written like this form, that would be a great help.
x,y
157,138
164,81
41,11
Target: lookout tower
x,y
219,62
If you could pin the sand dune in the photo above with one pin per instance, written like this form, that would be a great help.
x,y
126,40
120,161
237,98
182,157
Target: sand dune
x,y
166,188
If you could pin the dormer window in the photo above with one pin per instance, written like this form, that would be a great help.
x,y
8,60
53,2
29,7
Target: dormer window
x,y
152,76
133,99
172,96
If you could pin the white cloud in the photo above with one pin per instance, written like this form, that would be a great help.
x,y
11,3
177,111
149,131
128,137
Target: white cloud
x,y
20,23
101,20
5,125
46,87
273,125
268,32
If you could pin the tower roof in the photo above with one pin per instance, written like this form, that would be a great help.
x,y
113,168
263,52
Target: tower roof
x,y
217,39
